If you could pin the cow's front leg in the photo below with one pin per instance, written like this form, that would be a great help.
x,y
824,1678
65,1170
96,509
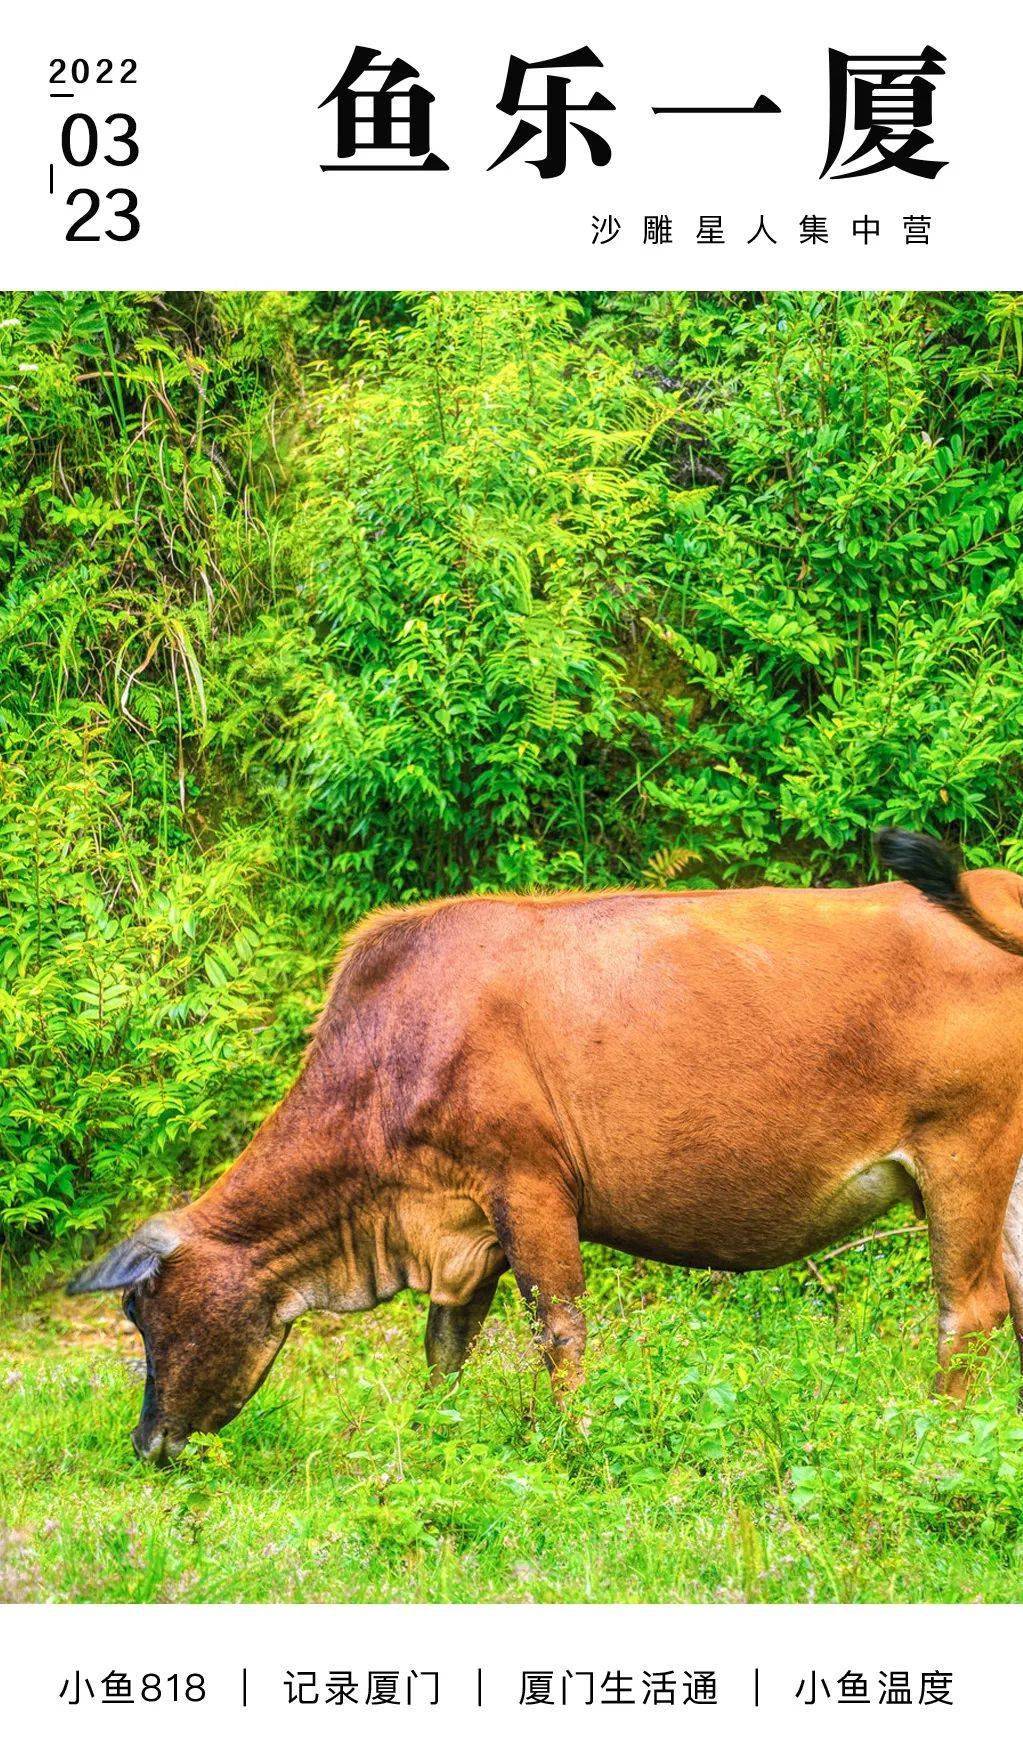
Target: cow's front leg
x,y
452,1329
538,1227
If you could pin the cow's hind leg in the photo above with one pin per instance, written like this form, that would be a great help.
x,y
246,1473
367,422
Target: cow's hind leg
x,y
452,1329
965,1193
538,1227
1012,1256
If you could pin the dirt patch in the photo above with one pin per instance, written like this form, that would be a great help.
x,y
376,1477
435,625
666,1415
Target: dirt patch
x,y
63,1323
20,1576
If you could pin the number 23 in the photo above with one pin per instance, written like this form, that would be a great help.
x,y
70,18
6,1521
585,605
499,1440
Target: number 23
x,y
127,210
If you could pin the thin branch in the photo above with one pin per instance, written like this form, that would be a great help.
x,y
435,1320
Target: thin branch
x,y
819,1276
907,1229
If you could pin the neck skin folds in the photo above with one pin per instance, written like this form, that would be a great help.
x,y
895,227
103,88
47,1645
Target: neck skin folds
x,y
310,1219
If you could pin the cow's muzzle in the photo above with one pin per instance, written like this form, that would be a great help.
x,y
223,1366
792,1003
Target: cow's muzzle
x,y
157,1446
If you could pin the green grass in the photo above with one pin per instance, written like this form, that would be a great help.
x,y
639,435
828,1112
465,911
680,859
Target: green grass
x,y
759,1439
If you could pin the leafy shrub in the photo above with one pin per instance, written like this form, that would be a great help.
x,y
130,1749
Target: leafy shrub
x,y
149,957
479,524
672,589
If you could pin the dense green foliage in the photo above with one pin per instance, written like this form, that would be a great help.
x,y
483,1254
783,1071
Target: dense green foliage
x,y
148,953
671,585
309,603
314,603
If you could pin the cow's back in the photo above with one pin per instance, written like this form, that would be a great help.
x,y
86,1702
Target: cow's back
x,y
698,1062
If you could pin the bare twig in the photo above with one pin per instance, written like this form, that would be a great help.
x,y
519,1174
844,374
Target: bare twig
x,y
819,1276
906,1229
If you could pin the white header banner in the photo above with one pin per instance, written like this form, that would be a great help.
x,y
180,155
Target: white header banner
x,y
331,145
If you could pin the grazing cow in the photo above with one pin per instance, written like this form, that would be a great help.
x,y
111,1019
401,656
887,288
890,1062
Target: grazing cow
x,y
726,1079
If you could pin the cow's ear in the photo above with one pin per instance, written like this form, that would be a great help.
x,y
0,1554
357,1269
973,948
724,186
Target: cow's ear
x,y
131,1262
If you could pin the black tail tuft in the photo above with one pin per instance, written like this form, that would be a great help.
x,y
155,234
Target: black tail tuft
x,y
932,869
924,862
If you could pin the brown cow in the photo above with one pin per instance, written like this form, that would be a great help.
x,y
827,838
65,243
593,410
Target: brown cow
x,y
726,1079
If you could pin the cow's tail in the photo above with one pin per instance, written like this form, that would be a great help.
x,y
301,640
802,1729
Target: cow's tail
x,y
932,869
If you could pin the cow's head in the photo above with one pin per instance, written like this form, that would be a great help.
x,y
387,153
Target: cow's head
x,y
211,1325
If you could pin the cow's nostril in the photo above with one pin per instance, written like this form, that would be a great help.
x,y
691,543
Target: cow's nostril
x,y
152,1448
